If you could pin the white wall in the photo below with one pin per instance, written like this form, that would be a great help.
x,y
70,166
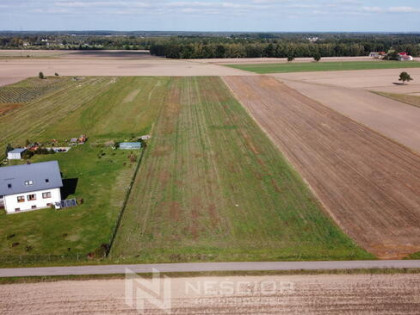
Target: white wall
x,y
11,203
14,156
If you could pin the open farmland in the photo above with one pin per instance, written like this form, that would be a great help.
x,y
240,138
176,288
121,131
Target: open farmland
x,y
212,186
103,63
390,117
104,109
294,294
370,185
324,66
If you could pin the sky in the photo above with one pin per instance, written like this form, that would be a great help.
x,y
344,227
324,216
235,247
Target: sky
x,y
212,15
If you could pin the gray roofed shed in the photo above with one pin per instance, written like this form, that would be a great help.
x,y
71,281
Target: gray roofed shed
x,y
130,145
29,177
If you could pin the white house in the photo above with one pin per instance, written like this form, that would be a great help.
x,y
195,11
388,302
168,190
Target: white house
x,y
15,154
30,186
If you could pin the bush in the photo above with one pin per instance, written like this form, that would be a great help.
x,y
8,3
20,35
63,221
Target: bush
x,y
41,75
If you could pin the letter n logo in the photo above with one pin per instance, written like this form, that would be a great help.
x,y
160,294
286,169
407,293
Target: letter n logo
x,y
142,293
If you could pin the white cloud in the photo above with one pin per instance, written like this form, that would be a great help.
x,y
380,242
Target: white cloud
x,y
403,10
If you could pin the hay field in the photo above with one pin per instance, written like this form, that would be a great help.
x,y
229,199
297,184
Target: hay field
x,y
213,187
367,183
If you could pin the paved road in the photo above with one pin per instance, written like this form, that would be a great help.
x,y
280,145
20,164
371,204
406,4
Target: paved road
x,y
201,267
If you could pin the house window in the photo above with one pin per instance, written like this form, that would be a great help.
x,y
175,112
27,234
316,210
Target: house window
x,y
46,195
31,197
28,183
20,198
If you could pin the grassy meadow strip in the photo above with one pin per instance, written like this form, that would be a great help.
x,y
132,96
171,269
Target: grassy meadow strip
x,y
324,66
213,187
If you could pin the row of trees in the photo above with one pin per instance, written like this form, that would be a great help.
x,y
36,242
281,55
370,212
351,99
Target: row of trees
x,y
199,50
219,45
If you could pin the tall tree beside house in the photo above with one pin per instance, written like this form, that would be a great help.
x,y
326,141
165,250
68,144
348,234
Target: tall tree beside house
x,y
404,76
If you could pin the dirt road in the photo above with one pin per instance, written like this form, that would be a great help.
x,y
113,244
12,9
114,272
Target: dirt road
x,y
209,266
368,184
315,294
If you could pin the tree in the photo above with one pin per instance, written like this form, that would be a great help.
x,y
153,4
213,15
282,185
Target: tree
x,y
404,76
41,75
317,57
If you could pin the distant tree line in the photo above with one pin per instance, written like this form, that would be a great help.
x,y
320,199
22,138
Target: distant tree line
x,y
281,48
219,45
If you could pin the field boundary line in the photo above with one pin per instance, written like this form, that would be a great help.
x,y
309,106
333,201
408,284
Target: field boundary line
x,y
124,206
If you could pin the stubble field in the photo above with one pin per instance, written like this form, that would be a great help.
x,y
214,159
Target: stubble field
x,y
295,294
367,183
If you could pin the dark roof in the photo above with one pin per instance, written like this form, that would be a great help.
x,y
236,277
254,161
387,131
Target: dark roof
x,y
29,177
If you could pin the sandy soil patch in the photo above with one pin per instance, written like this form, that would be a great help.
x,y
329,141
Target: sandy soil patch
x,y
396,120
385,80
369,184
315,294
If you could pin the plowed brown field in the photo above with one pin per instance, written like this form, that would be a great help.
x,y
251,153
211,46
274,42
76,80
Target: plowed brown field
x,y
369,184
295,294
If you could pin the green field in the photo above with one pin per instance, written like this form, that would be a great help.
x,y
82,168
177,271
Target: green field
x,y
213,187
104,109
324,66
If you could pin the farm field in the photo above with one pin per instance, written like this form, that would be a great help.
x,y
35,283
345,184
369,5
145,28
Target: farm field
x,y
367,183
104,63
104,109
413,100
324,66
212,186
390,117
303,294
384,80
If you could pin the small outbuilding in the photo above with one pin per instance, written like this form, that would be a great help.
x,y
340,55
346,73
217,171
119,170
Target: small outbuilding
x,y
15,154
130,145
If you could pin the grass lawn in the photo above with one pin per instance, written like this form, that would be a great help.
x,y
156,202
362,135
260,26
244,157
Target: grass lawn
x,y
324,66
104,109
213,187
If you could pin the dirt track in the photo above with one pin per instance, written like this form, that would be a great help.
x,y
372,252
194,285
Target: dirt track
x,y
315,294
369,184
